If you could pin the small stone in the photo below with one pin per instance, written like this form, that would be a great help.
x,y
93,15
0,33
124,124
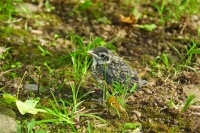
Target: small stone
x,y
137,113
7,124
33,87
148,91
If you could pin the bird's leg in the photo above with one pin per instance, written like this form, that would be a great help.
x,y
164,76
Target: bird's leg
x,y
102,85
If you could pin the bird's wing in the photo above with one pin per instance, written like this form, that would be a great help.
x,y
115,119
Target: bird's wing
x,y
118,72
107,72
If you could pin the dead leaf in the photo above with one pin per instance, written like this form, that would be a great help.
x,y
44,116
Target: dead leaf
x,y
115,106
38,32
42,41
131,19
2,50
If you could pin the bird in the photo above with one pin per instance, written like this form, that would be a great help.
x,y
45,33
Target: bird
x,y
108,66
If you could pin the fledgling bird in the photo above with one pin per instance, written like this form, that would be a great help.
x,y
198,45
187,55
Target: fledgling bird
x,y
111,68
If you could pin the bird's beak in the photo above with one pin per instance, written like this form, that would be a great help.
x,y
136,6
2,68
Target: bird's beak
x,y
90,52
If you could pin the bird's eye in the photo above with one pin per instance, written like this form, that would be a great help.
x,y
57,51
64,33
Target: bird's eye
x,y
102,55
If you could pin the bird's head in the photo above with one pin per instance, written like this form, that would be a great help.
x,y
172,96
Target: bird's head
x,y
100,55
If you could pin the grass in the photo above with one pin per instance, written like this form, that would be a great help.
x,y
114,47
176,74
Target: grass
x,y
6,10
188,102
184,106
70,72
30,127
121,92
44,52
161,10
185,61
64,112
5,53
175,10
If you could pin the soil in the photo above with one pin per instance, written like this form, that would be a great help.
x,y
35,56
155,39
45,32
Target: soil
x,y
157,107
